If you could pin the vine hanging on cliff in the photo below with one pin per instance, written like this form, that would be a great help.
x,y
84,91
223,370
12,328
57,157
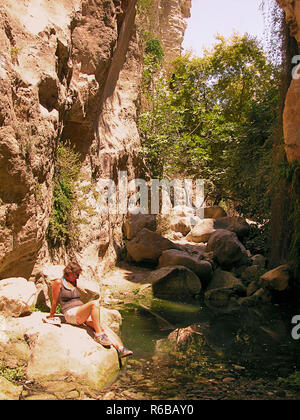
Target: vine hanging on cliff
x,y
61,223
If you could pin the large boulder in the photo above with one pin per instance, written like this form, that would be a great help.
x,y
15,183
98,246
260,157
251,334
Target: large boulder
x,y
17,295
134,223
251,273
76,352
224,291
175,283
224,279
148,246
172,257
276,279
259,260
235,224
206,227
66,351
224,300
227,249
214,212
202,231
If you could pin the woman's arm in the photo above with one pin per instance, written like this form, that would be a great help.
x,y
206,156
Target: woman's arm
x,y
55,294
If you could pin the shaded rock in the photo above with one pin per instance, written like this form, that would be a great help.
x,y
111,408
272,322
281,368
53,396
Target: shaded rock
x,y
251,273
235,224
225,299
214,212
259,260
276,279
253,287
17,295
256,296
228,250
224,279
148,246
134,223
202,231
182,337
175,283
263,321
222,331
172,257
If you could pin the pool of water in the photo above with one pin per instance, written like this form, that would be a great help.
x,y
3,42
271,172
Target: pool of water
x,y
142,329
197,372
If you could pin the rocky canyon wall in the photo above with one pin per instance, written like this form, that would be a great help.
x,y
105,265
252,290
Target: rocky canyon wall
x,y
69,70
167,21
291,116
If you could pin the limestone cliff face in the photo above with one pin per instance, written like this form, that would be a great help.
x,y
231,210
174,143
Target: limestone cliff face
x,y
167,21
69,69
291,116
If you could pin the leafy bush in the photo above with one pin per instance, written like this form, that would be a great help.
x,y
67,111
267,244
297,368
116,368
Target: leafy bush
x,y
16,374
61,223
154,48
292,381
153,59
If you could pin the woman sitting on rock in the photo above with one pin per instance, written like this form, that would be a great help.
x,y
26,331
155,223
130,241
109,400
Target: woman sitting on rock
x,y
66,293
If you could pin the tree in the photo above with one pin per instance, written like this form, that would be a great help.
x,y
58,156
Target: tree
x,y
212,119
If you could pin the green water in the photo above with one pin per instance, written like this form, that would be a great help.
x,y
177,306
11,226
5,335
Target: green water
x,y
141,330
199,371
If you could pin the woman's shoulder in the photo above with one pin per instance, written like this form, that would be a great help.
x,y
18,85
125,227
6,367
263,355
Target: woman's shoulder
x,y
57,282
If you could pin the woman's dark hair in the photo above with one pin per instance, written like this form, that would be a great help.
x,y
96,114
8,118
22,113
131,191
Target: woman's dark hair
x,y
72,267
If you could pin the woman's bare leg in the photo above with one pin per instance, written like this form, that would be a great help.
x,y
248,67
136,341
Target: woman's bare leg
x,y
92,309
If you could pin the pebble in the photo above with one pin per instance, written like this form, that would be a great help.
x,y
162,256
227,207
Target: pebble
x,y
109,396
228,379
237,367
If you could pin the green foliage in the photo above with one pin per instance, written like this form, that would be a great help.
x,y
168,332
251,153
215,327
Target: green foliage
x,y
292,173
14,54
257,242
153,59
216,114
292,381
144,6
154,48
16,374
61,223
